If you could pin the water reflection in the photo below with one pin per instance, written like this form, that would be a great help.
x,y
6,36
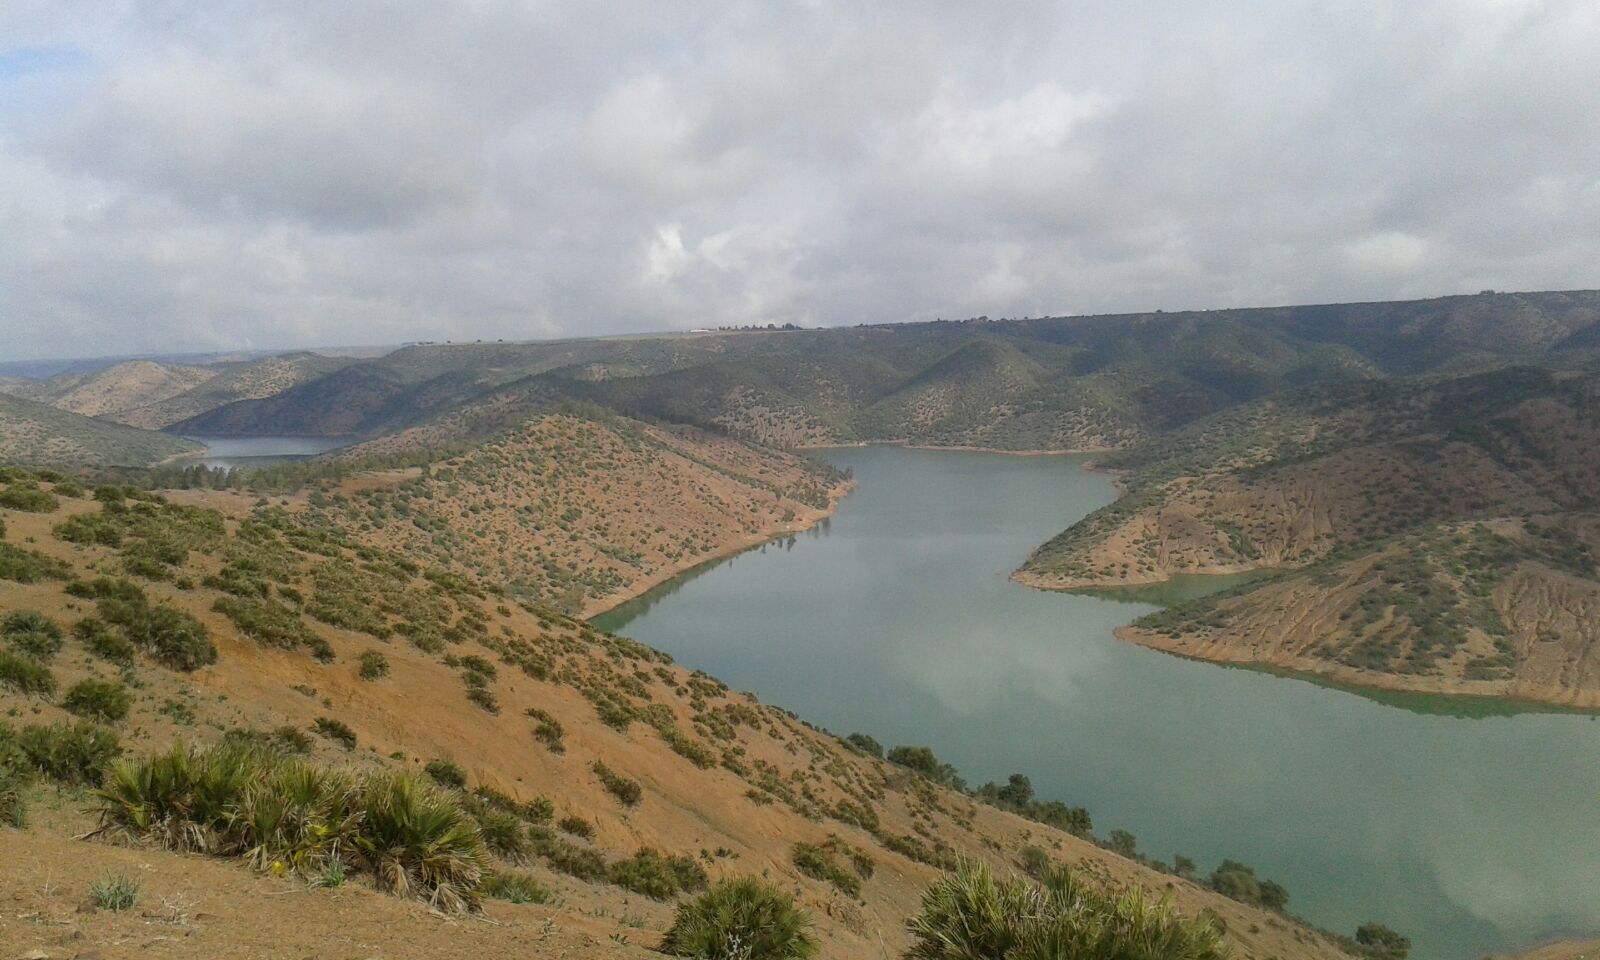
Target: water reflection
x,y
1472,835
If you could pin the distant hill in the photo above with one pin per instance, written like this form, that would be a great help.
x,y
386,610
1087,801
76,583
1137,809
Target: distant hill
x,y
106,392
231,382
1058,383
37,434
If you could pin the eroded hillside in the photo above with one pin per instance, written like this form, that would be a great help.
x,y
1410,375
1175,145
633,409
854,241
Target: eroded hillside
x,y
606,777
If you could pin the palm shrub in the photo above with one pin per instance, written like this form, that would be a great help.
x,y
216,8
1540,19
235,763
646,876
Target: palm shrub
x,y
103,700
32,634
971,915
182,799
417,841
70,753
743,919
25,674
297,818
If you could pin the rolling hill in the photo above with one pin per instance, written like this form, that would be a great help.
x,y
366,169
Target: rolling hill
x,y
41,435
109,391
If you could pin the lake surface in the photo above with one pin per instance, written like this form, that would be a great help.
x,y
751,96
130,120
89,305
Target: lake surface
x,y
1469,833
230,452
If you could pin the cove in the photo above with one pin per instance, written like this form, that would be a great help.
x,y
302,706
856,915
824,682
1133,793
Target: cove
x,y
1471,832
230,452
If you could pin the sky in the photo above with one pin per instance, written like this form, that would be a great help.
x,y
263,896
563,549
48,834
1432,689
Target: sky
x,y
220,175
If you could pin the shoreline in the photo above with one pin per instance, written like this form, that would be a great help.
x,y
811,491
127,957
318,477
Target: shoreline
x,y
1510,693
810,517
908,445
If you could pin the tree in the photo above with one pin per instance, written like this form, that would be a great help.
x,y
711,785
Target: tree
x,y
1124,843
1381,943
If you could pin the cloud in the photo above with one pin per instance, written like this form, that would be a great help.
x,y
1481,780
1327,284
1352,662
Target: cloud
x,y
178,175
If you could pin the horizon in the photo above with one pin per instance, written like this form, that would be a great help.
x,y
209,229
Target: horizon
x,y
383,349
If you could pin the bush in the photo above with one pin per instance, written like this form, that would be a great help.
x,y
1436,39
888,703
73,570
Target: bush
x,y
742,919
658,877
1380,943
13,796
446,773
29,566
627,791
418,842
577,826
865,744
26,496
100,640
25,674
1239,882
374,665
115,892
103,700
336,730
31,633
76,753
568,858
969,915
922,760
817,862
172,637
548,730
515,888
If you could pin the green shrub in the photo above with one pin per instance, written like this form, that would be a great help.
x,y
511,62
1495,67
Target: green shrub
x,y
29,566
658,877
336,730
577,826
26,496
568,858
548,730
13,797
625,790
374,665
99,639
865,744
503,832
172,637
96,529
446,773
922,760
969,915
1378,942
115,892
32,633
1239,882
416,841
75,753
818,863
515,888
742,919
25,675
102,700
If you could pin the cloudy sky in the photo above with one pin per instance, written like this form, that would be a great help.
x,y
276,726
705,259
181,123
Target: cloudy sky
x,y
215,175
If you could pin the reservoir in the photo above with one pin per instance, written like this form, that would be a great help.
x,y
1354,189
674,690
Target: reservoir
x,y
1471,829
241,452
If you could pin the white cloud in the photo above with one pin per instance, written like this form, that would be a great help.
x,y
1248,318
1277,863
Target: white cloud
x,y
301,173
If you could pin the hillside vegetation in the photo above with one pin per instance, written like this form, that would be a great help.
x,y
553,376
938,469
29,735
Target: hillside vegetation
x,y
1369,492
34,433
1045,384
119,387
356,727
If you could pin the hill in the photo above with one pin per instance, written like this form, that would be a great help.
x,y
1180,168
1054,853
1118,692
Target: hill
x,y
230,382
122,386
1437,528
33,433
606,780
1054,383
581,514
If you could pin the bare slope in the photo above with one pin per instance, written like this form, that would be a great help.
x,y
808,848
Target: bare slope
x,y
252,380
522,700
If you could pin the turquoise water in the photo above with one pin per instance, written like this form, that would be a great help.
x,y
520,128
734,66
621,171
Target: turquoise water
x,y
1471,832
